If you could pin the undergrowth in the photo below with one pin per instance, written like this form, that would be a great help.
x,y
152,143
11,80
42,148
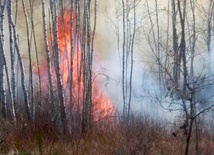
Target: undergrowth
x,y
141,136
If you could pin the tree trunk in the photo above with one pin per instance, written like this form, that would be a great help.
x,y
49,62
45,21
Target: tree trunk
x,y
57,66
176,65
12,91
26,100
48,57
189,137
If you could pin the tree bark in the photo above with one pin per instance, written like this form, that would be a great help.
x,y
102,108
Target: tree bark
x,y
48,57
26,100
57,66
12,91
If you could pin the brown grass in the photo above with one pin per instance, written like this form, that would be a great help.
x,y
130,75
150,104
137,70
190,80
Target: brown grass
x,y
142,136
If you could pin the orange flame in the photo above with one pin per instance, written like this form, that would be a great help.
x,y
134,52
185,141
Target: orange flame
x,y
101,105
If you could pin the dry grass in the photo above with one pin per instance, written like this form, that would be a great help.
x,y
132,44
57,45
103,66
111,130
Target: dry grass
x,y
141,137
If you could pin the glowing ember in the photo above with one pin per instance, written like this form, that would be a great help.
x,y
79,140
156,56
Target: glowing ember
x,y
101,105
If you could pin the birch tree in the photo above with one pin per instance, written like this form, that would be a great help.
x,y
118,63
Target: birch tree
x,y
17,49
2,72
128,36
48,55
54,11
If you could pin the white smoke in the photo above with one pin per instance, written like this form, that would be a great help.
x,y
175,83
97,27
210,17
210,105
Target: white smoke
x,y
145,88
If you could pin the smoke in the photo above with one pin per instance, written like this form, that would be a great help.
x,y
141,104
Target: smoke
x,y
108,43
146,94
145,88
107,63
205,94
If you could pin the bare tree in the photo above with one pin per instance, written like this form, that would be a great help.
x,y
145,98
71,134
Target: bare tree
x,y
128,36
12,54
17,49
87,71
48,57
31,85
33,37
54,11
176,66
2,63
209,25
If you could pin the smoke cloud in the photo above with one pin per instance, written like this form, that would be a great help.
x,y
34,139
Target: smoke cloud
x,y
107,62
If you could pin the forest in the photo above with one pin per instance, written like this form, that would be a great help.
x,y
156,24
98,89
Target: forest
x,y
111,77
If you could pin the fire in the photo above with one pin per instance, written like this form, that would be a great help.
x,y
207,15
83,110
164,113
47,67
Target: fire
x,y
101,105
